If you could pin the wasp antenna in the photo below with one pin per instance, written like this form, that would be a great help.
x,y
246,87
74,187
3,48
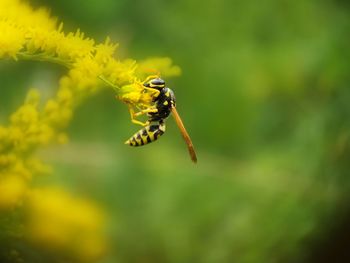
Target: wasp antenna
x,y
184,135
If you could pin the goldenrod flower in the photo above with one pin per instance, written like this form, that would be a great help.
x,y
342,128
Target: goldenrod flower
x,y
12,189
158,65
57,221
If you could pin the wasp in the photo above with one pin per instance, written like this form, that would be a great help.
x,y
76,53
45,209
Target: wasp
x,y
163,104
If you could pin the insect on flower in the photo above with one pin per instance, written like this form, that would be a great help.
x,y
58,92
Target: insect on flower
x,y
157,101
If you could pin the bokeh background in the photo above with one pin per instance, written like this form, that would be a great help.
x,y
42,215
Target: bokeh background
x,y
264,95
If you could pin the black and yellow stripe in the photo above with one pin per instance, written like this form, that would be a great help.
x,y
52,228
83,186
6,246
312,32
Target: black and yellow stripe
x,y
156,86
156,83
146,135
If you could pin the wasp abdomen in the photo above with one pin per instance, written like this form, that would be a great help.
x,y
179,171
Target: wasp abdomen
x,y
146,135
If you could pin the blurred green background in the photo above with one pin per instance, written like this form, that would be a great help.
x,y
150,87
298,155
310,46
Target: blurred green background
x,y
264,95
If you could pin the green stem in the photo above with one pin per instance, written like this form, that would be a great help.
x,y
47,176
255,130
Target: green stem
x,y
116,88
43,57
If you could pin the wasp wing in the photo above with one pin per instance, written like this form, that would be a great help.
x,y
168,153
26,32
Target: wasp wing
x,y
184,134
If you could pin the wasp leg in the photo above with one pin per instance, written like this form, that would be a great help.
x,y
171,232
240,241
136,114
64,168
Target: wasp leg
x,y
133,115
149,110
153,91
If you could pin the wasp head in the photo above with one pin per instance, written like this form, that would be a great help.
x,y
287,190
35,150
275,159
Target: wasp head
x,y
156,83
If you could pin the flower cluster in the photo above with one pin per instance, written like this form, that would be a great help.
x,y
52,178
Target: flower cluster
x,y
79,234
54,218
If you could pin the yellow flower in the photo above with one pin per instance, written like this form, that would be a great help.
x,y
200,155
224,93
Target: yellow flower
x,y
12,189
56,221
11,40
68,46
62,223
157,66
21,13
104,52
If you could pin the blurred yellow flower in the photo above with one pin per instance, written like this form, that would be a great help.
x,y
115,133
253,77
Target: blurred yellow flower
x,y
61,222
158,65
12,189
